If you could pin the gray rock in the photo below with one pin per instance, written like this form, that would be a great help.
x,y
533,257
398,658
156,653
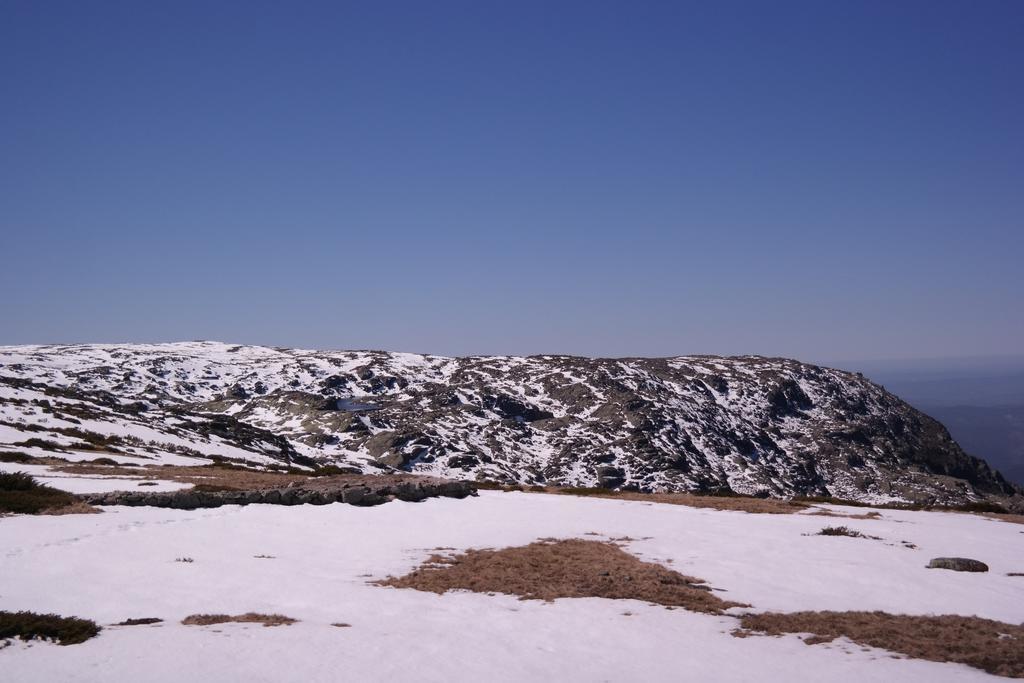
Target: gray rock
x,y
609,477
958,564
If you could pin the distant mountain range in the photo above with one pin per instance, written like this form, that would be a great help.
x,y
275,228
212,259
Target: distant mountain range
x,y
748,424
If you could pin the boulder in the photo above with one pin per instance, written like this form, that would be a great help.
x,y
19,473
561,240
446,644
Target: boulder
x,y
958,564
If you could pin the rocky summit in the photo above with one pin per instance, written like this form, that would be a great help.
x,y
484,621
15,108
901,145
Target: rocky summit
x,y
750,425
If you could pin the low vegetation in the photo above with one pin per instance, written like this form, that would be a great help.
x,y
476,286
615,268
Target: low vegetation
x,y
984,644
21,494
844,531
15,457
247,618
572,568
832,513
31,626
144,621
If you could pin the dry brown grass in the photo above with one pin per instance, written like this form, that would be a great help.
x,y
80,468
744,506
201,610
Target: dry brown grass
x,y
219,478
572,568
76,508
230,478
1012,519
984,644
736,503
247,618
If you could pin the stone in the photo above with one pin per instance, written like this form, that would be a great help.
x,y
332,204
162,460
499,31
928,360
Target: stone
x,y
609,477
958,564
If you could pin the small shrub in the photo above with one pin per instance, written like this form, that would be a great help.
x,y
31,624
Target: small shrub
x,y
40,443
30,625
331,471
104,461
844,531
139,622
186,560
21,494
15,456
17,481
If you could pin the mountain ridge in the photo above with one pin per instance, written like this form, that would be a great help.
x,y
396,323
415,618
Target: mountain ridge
x,y
749,424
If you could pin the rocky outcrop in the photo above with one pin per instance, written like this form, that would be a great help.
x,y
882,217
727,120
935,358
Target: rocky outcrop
x,y
750,425
363,491
958,564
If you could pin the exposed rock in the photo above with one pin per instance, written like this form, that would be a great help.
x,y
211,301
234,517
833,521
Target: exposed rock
x,y
958,564
609,477
353,490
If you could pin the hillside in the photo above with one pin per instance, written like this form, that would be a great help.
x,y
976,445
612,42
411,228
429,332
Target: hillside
x,y
748,424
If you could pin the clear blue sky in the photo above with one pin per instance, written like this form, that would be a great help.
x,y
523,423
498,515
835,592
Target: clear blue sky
x,y
814,179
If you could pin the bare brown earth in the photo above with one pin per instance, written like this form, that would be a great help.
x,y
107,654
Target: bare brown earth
x,y
247,618
992,646
572,568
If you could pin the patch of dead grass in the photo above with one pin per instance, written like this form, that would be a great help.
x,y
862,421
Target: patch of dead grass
x,y
570,568
737,503
984,644
247,618
75,508
1011,518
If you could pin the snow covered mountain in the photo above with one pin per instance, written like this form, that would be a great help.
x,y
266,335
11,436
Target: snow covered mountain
x,y
749,424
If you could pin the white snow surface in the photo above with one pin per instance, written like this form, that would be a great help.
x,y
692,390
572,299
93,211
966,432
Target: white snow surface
x,y
121,564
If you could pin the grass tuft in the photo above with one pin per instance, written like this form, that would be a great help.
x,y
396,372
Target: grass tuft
x,y
844,531
247,618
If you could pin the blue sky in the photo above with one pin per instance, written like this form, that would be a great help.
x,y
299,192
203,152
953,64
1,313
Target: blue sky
x,y
821,180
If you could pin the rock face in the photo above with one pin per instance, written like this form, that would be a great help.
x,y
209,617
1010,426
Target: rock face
x,y
748,424
958,564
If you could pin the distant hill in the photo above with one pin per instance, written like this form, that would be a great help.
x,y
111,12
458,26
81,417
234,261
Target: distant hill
x,y
746,424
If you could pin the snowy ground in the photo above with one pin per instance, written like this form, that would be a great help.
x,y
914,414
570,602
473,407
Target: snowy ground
x,y
121,564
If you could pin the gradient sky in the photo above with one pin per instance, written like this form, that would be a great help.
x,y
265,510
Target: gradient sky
x,y
815,179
